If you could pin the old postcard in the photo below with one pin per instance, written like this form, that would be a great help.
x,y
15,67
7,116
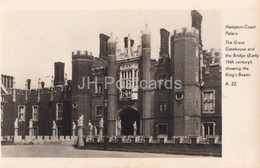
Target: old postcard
x,y
130,84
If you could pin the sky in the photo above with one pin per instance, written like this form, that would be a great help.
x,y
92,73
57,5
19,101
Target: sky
x,y
31,41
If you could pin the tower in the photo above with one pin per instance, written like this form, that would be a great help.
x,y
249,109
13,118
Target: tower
x,y
58,73
146,92
112,92
82,63
185,61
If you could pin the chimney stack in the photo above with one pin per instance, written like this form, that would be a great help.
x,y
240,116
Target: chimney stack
x,y
129,43
59,73
29,84
196,22
126,42
164,50
42,83
12,82
7,81
103,46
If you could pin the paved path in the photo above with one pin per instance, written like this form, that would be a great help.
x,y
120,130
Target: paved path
x,y
55,150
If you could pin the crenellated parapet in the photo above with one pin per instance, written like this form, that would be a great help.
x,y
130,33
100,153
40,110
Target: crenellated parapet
x,y
82,55
185,32
30,97
43,91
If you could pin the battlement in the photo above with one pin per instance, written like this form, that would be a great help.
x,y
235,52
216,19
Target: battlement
x,y
43,91
45,94
186,32
82,55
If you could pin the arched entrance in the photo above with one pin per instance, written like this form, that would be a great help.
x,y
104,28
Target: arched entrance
x,y
128,116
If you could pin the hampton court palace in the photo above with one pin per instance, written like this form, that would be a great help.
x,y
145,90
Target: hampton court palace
x,y
192,110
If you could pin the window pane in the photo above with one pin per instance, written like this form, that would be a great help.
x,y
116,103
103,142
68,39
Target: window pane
x,y
60,115
211,129
35,116
205,96
160,107
211,106
59,111
206,106
206,129
99,110
211,96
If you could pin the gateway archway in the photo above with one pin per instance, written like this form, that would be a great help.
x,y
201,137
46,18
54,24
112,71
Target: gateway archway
x,y
128,116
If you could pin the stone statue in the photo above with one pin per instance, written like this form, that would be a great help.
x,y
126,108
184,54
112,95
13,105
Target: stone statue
x,y
119,126
73,125
80,121
135,126
73,128
30,123
95,129
54,124
101,123
16,123
90,126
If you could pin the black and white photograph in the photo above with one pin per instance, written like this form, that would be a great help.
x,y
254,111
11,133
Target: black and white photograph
x,y
136,81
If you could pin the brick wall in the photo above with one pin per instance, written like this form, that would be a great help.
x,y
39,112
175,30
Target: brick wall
x,y
47,111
